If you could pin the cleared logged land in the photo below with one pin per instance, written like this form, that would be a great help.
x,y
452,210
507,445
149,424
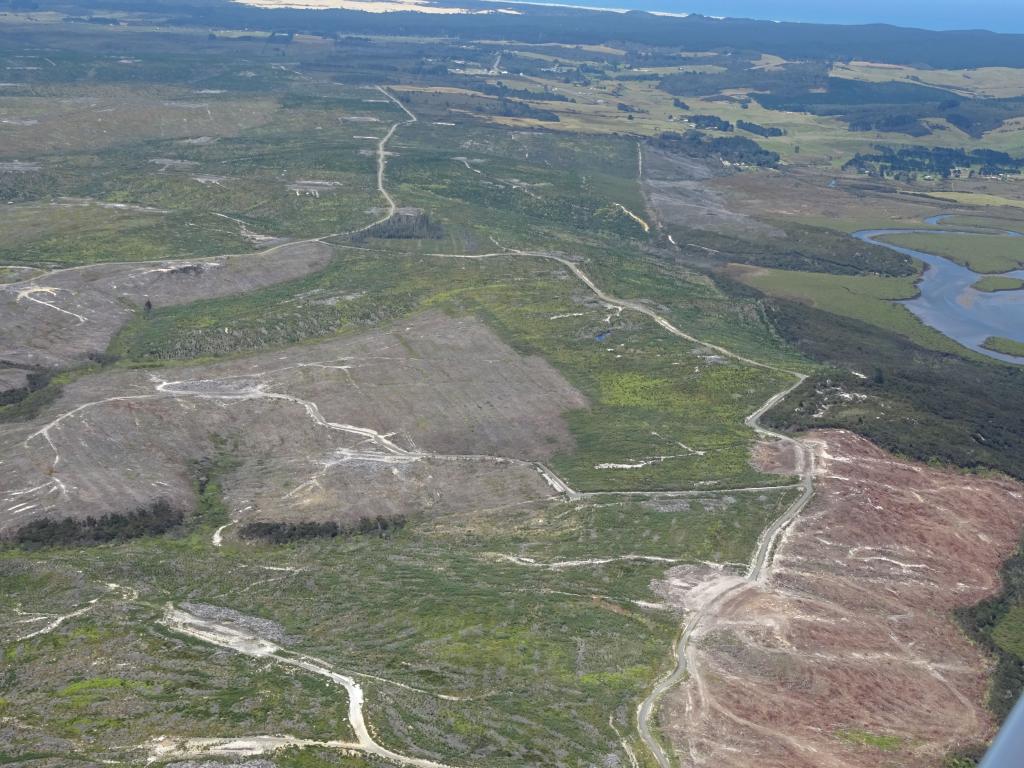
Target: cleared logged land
x,y
437,412
848,654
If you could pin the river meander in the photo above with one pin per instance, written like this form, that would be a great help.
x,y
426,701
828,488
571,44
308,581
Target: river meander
x,y
947,300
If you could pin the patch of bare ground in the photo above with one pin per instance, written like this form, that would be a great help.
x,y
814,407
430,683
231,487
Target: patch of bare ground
x,y
848,655
817,195
12,378
777,457
437,413
59,318
680,191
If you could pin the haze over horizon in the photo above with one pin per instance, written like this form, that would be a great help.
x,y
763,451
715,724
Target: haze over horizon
x,y
994,15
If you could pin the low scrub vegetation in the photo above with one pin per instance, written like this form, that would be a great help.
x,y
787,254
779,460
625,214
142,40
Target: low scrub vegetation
x,y
883,386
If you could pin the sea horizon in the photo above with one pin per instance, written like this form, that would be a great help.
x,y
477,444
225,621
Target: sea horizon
x,y
991,15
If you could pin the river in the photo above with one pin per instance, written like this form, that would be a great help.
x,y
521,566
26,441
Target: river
x,y
947,301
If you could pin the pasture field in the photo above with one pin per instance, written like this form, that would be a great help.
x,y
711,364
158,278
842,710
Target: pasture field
x,y
995,82
980,221
980,199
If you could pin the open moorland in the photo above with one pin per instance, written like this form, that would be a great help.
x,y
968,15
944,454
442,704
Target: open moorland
x,y
403,390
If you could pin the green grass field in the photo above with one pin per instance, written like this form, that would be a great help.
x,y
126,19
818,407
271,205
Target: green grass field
x,y
1009,632
981,253
995,284
985,222
1006,346
870,299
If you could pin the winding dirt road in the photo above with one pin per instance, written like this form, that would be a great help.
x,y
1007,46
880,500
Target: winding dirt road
x,y
756,571
761,559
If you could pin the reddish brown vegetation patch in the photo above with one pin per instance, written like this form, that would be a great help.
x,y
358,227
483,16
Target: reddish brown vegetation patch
x,y
848,655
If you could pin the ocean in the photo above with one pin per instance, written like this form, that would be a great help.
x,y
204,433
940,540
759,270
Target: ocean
x,y
995,15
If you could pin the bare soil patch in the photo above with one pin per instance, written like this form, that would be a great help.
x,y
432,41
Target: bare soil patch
x,y
777,457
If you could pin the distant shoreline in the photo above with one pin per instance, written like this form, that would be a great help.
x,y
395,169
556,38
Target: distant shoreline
x,y
1000,19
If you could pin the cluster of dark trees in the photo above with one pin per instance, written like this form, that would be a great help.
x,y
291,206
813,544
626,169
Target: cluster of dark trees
x,y
646,57
680,104
894,107
35,380
938,160
710,123
759,130
104,20
155,519
937,405
981,619
514,108
806,249
734,149
283,533
739,72
405,226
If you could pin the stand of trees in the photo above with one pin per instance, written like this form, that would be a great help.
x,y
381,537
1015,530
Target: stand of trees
x,y
894,107
937,160
735,149
931,406
710,122
760,130
35,380
283,533
503,91
153,520
513,108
